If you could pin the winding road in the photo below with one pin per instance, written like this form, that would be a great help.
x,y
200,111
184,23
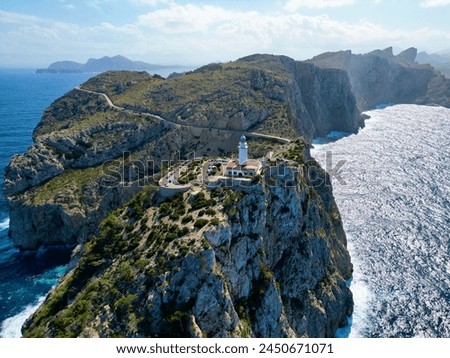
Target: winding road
x,y
155,116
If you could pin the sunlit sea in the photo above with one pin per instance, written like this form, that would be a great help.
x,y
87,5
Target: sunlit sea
x,y
393,192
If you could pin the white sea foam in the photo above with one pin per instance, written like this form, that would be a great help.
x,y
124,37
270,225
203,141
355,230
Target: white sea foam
x,y
4,225
362,297
394,206
11,327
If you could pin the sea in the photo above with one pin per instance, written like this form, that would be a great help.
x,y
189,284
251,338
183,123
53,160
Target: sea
x,y
392,188
391,182
26,277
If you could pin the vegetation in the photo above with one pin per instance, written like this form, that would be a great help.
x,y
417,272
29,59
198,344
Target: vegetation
x,y
296,151
232,197
153,94
214,222
68,184
200,201
200,223
186,219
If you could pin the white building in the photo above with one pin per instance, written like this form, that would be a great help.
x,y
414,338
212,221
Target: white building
x,y
243,150
243,166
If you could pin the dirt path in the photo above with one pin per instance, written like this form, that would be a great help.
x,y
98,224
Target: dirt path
x,y
140,113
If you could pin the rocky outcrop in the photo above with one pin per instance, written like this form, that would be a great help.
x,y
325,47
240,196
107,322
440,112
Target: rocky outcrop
x,y
440,62
31,169
269,261
380,78
201,113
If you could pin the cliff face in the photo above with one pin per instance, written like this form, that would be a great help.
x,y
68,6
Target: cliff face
x,y
270,260
266,261
380,77
56,190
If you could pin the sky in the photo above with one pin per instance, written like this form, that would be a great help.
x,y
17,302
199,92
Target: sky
x,y
188,32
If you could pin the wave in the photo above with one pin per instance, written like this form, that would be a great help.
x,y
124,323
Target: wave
x,y
394,206
362,298
4,225
11,327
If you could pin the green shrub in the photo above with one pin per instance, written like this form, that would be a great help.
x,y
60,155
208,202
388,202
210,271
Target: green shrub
x,y
214,222
184,249
141,263
200,223
201,202
165,209
186,219
182,232
171,236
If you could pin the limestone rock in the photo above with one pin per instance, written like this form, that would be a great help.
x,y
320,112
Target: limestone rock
x,y
276,266
36,166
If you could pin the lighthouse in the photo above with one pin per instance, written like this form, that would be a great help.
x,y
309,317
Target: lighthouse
x,y
243,150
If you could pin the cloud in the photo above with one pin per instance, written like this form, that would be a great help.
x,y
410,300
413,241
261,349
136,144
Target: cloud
x,y
152,3
435,3
187,18
293,5
205,31
29,38
199,34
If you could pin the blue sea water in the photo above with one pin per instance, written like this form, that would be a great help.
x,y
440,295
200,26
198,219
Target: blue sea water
x,y
393,192
25,277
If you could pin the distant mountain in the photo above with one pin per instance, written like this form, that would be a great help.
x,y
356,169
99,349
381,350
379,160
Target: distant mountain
x,y
440,62
101,65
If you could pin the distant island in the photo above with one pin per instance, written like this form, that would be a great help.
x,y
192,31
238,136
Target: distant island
x,y
181,234
116,63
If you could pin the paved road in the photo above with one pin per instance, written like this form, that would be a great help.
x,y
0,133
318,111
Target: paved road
x,y
151,115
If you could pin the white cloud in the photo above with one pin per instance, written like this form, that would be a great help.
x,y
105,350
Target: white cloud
x,y
187,18
152,3
202,31
200,34
434,3
293,5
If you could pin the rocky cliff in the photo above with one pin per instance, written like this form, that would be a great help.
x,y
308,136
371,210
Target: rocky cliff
x,y
267,260
57,189
379,78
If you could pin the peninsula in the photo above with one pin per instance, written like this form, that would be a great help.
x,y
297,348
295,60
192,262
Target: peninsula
x,y
195,206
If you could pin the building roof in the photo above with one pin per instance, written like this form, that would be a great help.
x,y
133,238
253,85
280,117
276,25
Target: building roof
x,y
250,164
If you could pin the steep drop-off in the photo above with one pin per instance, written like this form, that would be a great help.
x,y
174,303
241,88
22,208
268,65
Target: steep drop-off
x,y
270,260
379,77
56,190
267,260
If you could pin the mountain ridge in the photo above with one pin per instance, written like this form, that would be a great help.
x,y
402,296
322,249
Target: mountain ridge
x,y
271,256
266,94
103,64
439,61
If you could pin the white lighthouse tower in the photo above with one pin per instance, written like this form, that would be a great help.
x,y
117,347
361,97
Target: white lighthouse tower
x,y
243,150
